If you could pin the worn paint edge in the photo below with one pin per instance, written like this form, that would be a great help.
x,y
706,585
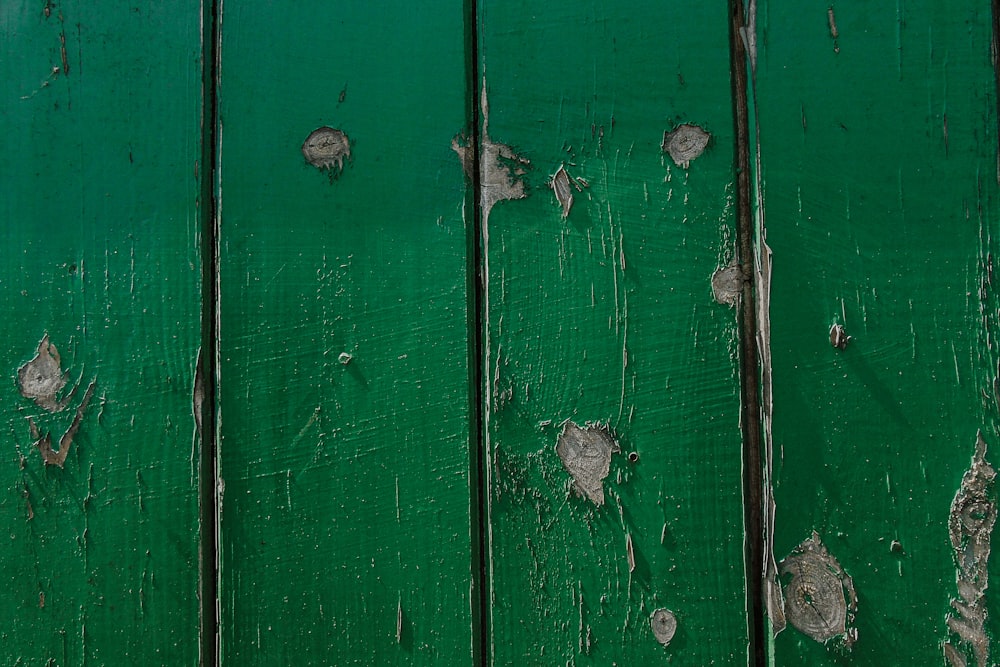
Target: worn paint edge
x,y
750,369
774,602
971,520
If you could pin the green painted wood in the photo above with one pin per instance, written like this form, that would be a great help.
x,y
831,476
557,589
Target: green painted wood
x,y
101,110
345,400
879,173
608,317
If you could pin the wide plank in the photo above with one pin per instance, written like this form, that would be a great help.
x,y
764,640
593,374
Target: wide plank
x,y
101,291
345,387
611,391
878,154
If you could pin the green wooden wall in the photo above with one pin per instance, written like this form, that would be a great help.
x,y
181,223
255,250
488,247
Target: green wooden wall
x,y
454,293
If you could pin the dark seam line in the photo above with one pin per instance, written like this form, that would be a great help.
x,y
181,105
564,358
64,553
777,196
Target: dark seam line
x,y
749,365
207,367
477,336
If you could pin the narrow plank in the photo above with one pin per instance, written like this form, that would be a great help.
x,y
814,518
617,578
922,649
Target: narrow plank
x,y
606,316
878,150
345,385
101,110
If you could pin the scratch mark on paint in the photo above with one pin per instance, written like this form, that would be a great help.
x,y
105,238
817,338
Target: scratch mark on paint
x,y
399,621
820,596
832,20
664,625
62,50
630,552
970,527
586,455
53,73
944,131
301,434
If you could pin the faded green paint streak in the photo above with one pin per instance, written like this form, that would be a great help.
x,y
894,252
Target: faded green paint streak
x,y
878,168
101,142
345,429
602,311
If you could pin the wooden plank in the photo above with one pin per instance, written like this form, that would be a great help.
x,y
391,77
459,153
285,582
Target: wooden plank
x,y
101,110
345,384
878,148
605,315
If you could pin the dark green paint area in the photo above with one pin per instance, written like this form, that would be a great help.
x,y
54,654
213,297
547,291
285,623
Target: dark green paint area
x,y
345,383
607,316
879,178
100,225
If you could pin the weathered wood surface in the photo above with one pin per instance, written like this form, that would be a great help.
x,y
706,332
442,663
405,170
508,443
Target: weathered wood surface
x,y
357,352
603,314
346,535
101,145
878,155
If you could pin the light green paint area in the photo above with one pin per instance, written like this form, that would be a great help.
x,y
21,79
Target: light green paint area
x,y
607,316
878,153
100,225
345,385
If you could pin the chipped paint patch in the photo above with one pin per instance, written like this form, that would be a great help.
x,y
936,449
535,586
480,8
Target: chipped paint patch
x,y
970,527
326,148
44,443
463,150
41,379
685,143
727,284
586,455
564,193
500,168
562,185
838,337
834,33
664,624
500,172
820,600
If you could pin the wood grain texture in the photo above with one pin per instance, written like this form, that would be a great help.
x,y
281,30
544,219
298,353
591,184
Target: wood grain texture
x,y
607,316
879,171
101,142
346,535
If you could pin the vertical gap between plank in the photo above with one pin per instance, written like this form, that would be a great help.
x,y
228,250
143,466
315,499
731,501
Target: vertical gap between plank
x,y
476,285
749,364
207,370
